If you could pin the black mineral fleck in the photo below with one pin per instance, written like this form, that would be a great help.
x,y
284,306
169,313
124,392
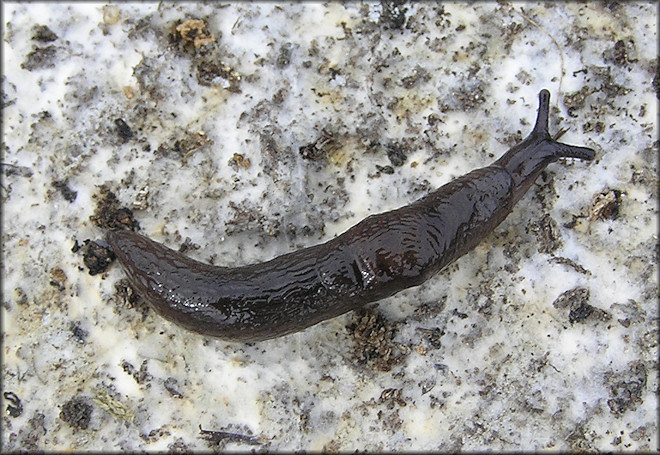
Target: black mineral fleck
x,y
397,154
123,130
385,169
63,187
626,388
433,336
15,407
393,15
172,386
579,310
109,214
284,56
218,437
321,147
77,412
579,313
96,257
548,234
35,430
43,34
79,334
571,298
40,57
141,376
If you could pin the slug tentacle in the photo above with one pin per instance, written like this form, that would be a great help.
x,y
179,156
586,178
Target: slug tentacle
x,y
378,257
525,161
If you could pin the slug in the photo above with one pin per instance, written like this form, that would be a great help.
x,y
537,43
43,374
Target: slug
x,y
378,257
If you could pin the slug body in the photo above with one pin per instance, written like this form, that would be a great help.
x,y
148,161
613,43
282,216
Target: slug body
x,y
376,258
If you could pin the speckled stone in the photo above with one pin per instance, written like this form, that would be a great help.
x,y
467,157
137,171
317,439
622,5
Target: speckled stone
x,y
242,131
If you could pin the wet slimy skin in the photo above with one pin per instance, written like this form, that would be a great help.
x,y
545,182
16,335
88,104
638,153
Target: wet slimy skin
x,y
378,257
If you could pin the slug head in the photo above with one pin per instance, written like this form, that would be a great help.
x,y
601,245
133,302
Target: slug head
x,y
525,161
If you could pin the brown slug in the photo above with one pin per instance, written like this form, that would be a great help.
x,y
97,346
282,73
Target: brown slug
x,y
378,257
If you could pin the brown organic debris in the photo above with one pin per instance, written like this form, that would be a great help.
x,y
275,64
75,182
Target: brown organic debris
x,y
195,31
